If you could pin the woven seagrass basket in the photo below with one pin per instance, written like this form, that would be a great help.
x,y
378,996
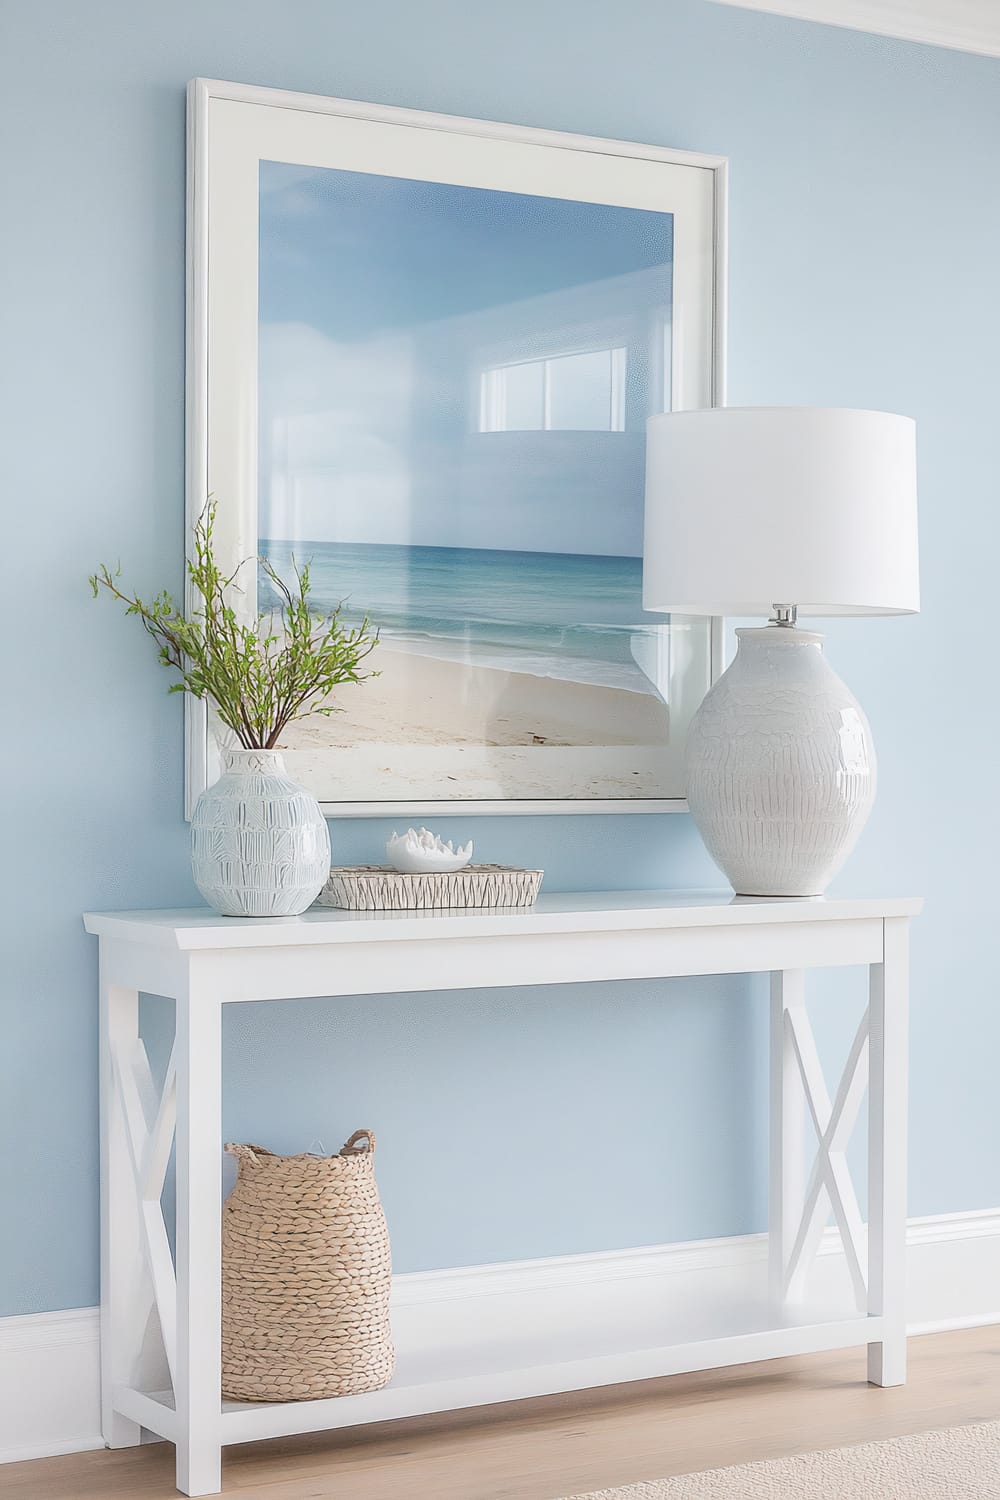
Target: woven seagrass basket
x,y
306,1276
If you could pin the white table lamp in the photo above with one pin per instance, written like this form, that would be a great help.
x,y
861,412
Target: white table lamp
x,y
779,512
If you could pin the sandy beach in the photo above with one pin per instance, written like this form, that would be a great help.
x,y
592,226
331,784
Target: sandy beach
x,y
427,731
419,700
424,778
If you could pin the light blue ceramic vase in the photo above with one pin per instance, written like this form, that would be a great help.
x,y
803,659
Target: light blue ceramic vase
x,y
260,846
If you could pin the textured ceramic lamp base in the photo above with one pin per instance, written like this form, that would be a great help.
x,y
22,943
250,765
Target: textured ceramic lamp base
x,y
780,766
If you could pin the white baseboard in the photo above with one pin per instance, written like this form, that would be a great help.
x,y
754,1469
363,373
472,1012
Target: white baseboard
x,y
49,1362
50,1389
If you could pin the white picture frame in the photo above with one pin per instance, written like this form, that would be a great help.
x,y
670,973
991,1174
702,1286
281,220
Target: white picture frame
x,y
231,129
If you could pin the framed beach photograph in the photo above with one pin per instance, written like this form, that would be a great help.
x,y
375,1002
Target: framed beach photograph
x,y
422,354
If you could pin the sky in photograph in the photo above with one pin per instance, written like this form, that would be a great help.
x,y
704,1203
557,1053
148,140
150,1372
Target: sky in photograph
x,y
383,300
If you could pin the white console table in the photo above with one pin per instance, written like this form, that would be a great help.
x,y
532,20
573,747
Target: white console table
x,y
204,962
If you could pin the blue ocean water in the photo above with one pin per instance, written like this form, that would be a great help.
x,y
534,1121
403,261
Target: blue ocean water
x,y
550,614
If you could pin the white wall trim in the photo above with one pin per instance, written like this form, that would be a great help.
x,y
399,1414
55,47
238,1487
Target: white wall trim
x,y
962,25
935,1229
49,1362
50,1384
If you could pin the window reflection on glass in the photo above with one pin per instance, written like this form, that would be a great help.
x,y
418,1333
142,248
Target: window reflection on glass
x,y
566,393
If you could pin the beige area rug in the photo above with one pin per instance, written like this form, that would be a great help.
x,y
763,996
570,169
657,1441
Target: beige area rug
x,y
960,1463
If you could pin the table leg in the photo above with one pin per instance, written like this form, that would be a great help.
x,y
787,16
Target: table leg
x,y
121,1230
787,1133
887,1128
199,1242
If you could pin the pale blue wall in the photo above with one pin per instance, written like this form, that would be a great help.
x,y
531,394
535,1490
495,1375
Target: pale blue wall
x,y
865,241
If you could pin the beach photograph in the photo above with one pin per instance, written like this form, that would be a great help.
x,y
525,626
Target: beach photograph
x,y
454,384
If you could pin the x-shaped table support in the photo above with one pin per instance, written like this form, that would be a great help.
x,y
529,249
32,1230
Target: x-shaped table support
x,y
148,1120
800,1207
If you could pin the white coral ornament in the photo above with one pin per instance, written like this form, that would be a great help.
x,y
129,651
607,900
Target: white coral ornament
x,y
416,853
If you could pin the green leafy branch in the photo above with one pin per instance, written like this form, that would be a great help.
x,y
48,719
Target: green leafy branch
x,y
259,678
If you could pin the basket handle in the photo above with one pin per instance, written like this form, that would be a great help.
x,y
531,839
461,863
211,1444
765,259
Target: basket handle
x,y
351,1147
247,1155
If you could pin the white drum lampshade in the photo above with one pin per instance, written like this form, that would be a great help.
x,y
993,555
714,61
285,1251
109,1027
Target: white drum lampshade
x,y
779,511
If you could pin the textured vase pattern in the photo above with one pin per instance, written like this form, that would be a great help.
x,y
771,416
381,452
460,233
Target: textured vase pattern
x,y
780,766
260,846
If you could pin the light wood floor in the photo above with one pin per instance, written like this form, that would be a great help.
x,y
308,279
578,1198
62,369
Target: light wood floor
x,y
563,1445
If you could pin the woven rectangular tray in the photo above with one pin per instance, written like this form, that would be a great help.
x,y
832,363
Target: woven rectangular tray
x,y
379,888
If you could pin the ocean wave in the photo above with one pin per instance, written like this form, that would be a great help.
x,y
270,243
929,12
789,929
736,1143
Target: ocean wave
x,y
518,612
627,676
394,618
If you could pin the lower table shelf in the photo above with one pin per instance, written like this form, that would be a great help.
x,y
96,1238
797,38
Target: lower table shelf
x,y
508,1345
